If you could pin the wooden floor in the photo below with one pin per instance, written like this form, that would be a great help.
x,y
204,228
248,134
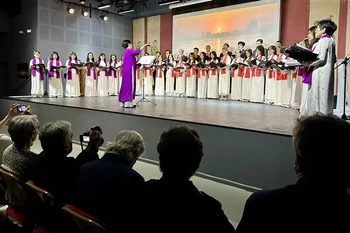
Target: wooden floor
x,y
234,114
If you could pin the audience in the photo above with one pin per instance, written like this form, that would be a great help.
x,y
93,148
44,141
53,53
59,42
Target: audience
x,y
55,171
18,158
318,202
5,140
108,188
173,203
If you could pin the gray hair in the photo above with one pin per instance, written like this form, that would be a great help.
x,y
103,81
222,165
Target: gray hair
x,y
22,128
129,145
54,135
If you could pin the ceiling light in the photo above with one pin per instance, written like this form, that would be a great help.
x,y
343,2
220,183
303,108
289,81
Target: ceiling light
x,y
82,2
84,12
126,11
104,17
167,2
188,3
103,6
70,10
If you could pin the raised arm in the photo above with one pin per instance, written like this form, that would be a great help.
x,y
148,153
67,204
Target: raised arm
x,y
12,113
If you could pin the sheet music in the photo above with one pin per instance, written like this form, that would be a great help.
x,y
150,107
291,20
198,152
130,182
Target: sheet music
x,y
146,60
292,63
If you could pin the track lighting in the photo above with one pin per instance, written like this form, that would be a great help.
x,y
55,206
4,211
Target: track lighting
x,y
84,12
104,16
70,10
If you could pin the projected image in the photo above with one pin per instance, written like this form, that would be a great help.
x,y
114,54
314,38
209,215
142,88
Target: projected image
x,y
246,22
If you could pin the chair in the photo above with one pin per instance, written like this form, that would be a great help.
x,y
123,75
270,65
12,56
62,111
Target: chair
x,y
45,196
48,218
15,213
85,222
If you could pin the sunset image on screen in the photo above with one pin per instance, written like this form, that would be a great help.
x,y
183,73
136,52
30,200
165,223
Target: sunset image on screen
x,y
247,22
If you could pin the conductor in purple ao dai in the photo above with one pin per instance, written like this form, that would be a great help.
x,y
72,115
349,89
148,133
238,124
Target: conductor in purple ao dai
x,y
127,90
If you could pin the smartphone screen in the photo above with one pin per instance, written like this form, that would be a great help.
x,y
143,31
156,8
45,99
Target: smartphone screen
x,y
21,108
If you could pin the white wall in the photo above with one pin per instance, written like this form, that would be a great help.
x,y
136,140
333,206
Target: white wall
x,y
62,32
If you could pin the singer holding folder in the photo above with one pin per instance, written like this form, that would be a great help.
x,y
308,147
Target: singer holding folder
x,y
321,94
127,90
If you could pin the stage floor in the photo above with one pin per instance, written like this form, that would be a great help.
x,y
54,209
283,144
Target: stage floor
x,y
233,114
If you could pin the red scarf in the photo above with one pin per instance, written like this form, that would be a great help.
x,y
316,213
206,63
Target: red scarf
x,y
223,60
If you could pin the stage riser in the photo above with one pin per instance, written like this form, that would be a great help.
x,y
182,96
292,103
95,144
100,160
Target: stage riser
x,y
251,158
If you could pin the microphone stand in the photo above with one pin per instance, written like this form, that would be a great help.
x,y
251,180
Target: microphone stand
x,y
345,63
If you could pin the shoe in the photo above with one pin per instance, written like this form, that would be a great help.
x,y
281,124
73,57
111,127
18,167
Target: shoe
x,y
134,106
121,104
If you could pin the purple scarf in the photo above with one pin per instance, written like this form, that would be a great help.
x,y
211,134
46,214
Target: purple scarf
x,y
88,72
51,72
41,77
307,71
113,64
70,69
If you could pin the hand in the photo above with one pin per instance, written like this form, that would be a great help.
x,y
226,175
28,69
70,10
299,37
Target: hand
x,y
13,111
27,111
96,141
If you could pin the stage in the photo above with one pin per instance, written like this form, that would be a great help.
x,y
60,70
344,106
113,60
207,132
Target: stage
x,y
231,114
245,144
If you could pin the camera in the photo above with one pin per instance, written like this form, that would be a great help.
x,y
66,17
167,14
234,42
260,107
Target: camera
x,y
85,137
21,108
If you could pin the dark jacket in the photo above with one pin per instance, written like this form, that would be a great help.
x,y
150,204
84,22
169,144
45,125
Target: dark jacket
x,y
180,207
297,208
108,189
58,174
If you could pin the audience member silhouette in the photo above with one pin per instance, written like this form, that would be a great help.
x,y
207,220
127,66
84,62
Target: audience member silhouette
x,y
108,188
55,171
173,203
319,201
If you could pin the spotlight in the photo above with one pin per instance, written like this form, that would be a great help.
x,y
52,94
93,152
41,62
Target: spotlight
x,y
104,17
84,12
70,10
82,2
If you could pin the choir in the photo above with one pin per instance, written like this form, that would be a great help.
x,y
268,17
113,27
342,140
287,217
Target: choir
x,y
240,76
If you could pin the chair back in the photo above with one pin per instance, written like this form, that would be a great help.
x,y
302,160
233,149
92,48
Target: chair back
x,y
45,196
14,210
15,184
85,222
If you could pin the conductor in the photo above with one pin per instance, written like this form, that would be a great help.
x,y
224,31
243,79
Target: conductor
x,y
127,90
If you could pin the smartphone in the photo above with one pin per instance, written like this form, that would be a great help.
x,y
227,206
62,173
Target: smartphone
x,y
21,108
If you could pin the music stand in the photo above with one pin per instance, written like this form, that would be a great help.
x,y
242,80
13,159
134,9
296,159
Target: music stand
x,y
145,60
345,63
